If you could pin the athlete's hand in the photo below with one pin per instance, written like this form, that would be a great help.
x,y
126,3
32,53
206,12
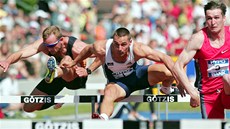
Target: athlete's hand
x,y
4,65
66,62
80,71
195,99
181,90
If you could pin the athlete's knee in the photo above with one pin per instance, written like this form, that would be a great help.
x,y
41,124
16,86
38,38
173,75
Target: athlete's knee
x,y
168,73
28,108
109,93
68,78
67,58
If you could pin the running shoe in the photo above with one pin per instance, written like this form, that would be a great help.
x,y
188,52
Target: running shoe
x,y
141,118
175,90
28,114
169,90
51,69
58,105
132,117
96,116
165,90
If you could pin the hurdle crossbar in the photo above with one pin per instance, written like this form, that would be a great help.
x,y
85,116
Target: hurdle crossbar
x,y
89,98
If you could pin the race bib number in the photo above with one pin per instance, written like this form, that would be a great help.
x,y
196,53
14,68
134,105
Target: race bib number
x,y
218,67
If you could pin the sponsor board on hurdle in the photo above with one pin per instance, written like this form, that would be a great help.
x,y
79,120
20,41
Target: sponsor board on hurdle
x,y
90,98
114,124
72,124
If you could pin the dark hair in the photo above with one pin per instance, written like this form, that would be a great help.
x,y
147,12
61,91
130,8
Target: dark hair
x,y
122,32
215,5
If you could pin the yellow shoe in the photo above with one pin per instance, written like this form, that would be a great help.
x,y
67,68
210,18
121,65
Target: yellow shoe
x,y
51,69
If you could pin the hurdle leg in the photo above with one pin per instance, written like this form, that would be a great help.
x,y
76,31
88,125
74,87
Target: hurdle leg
x,y
93,104
76,108
158,104
166,110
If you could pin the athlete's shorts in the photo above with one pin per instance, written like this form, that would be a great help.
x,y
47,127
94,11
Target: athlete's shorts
x,y
138,80
213,105
58,84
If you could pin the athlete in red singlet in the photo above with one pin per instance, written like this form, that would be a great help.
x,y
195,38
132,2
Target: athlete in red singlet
x,y
211,47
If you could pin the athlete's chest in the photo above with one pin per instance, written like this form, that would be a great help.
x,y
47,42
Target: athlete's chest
x,y
212,50
215,61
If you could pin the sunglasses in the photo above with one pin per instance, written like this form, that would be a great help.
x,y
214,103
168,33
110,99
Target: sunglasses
x,y
52,44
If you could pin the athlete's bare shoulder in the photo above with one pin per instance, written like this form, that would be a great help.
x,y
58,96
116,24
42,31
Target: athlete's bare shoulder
x,y
38,44
141,50
137,46
99,47
196,40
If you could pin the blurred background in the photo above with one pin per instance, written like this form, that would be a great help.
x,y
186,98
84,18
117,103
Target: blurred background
x,y
164,25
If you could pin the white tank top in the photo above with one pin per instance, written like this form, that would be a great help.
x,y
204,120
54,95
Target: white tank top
x,y
119,69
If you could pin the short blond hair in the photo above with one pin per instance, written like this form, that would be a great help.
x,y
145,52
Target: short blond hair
x,y
51,30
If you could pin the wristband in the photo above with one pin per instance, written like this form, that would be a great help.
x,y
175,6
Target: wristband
x,y
88,71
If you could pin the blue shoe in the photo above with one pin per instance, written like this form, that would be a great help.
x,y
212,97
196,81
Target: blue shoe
x,y
51,69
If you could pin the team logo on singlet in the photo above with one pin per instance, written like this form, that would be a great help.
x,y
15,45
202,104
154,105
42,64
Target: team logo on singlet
x,y
110,64
122,73
218,67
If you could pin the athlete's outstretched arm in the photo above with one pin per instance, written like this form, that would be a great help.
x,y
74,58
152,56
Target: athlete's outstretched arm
x,y
144,51
26,52
85,53
187,55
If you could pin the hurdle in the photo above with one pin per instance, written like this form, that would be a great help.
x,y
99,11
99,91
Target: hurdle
x,y
81,97
92,99
114,124
89,98
72,124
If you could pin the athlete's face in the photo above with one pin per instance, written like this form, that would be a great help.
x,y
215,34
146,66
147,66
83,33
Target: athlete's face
x,y
121,45
215,20
53,44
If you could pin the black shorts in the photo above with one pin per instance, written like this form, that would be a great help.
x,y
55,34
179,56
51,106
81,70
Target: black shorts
x,y
58,84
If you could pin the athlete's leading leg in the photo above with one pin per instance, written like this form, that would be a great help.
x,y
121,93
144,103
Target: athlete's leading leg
x,y
30,107
68,74
55,71
44,88
112,93
160,73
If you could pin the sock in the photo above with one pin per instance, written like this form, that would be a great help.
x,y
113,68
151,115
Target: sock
x,y
56,72
104,116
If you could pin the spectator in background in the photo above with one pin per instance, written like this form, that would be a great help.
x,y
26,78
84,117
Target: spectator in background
x,y
4,52
100,31
25,70
9,87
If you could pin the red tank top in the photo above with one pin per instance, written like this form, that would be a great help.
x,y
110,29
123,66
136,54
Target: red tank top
x,y
213,63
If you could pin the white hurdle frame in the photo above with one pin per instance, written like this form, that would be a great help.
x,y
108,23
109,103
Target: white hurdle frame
x,y
96,98
89,98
